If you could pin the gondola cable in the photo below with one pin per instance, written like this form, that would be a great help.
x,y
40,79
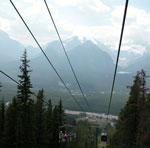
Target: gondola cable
x,y
121,36
9,77
46,56
14,81
104,134
72,69
4,73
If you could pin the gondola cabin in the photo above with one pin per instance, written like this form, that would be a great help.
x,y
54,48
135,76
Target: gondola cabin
x,y
104,137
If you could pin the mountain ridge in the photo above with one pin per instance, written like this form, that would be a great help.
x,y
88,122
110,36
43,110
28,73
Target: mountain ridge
x,y
91,60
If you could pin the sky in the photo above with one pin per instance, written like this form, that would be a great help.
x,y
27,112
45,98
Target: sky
x,y
94,19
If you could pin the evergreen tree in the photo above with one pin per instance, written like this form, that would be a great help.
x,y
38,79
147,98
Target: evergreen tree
x,y
60,113
2,123
24,92
143,126
49,124
133,128
146,138
24,121
40,121
55,129
128,120
11,124
84,136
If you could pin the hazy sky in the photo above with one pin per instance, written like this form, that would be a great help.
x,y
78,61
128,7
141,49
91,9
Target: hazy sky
x,y
93,19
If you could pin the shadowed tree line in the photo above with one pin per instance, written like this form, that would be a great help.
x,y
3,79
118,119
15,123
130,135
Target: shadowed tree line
x,y
28,123
133,127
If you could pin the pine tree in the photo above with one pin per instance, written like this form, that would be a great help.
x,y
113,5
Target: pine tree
x,y
40,121
24,92
11,124
147,124
143,126
133,128
60,113
2,123
49,124
55,129
128,120
24,121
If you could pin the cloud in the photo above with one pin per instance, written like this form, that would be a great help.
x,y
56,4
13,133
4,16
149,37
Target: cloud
x,y
99,6
134,47
123,72
36,16
137,25
106,33
68,2
137,28
123,59
85,5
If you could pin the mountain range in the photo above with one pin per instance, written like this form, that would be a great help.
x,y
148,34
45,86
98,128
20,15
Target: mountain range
x,y
93,63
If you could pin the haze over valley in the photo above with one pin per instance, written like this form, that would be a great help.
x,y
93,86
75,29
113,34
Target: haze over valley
x,y
93,63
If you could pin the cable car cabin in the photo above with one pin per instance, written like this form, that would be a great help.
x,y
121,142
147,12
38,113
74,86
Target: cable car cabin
x,y
104,137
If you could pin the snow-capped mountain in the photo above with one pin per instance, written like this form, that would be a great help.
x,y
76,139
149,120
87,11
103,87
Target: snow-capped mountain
x,y
92,60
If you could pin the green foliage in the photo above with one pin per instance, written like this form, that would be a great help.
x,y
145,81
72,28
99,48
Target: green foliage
x,y
70,120
49,123
39,115
25,105
60,113
26,123
133,127
43,125
24,92
85,135
11,124
55,128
